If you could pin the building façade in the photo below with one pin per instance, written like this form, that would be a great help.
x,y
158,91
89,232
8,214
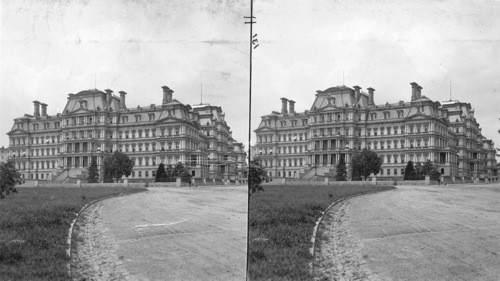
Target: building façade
x,y
94,124
342,121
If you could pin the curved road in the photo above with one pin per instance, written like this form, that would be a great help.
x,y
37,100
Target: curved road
x,y
168,234
429,233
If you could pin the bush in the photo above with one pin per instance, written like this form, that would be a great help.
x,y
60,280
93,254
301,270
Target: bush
x,y
256,176
9,177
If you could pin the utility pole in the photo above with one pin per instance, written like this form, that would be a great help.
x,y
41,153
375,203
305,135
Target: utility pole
x,y
253,40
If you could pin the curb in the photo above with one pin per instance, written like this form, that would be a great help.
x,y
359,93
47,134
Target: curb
x,y
320,219
69,241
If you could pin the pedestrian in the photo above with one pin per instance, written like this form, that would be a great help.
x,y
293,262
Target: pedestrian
x,y
439,181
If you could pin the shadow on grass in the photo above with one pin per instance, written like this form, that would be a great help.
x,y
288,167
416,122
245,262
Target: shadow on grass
x,y
34,226
280,227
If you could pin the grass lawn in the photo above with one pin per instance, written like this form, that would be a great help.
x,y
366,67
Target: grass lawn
x,y
34,228
280,227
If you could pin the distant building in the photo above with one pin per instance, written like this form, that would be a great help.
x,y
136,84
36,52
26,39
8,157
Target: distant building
x,y
342,121
94,124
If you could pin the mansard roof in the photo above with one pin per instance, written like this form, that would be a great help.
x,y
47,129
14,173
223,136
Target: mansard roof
x,y
96,99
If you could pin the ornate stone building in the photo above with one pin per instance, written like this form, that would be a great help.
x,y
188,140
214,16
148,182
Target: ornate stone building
x,y
342,121
94,124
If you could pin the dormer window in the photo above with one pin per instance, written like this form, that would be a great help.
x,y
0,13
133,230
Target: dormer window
x,y
331,101
83,103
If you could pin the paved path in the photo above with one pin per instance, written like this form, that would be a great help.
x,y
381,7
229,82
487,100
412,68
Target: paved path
x,y
430,233
167,234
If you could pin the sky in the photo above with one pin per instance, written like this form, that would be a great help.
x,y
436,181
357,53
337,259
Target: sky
x,y
51,48
313,45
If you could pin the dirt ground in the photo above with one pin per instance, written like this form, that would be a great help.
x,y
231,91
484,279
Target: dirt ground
x,y
166,234
418,233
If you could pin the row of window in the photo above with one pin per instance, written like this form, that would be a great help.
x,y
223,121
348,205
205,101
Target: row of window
x,y
152,146
337,117
23,165
338,144
169,131
19,141
284,162
89,119
37,152
284,150
333,131
265,138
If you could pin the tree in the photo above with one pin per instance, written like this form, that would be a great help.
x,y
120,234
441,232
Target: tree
x,y
161,174
365,163
93,176
429,169
355,174
256,176
341,174
419,175
409,171
169,172
435,175
117,165
181,172
9,177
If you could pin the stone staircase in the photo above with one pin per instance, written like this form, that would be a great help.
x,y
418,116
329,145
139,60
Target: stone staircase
x,y
62,176
65,176
320,171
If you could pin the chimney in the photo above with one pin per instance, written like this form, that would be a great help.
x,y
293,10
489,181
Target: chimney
x,y
122,99
44,109
419,92
109,97
414,89
370,94
292,106
356,93
37,108
167,95
284,109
